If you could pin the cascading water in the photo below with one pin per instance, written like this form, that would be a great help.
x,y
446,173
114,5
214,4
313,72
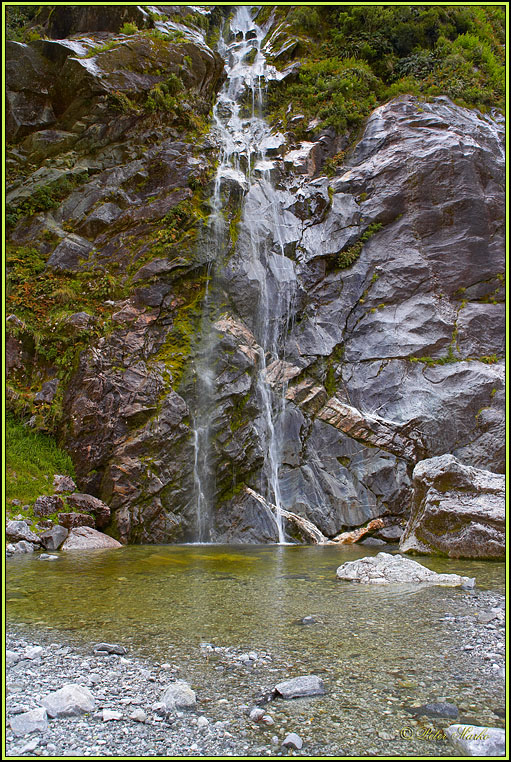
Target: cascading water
x,y
245,141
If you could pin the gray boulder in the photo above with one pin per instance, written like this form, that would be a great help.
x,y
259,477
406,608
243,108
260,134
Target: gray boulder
x,y
178,695
86,538
53,538
20,530
384,569
21,547
457,510
35,721
69,701
297,687
477,741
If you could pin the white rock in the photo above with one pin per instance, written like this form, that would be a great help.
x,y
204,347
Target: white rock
x,y
305,685
292,741
202,722
138,715
33,653
29,722
385,568
70,700
178,695
477,741
110,714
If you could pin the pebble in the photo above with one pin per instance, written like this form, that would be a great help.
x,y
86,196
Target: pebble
x,y
292,741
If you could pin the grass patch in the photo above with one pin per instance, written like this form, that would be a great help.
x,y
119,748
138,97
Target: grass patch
x,y
32,459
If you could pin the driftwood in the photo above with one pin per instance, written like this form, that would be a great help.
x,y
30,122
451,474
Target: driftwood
x,y
309,530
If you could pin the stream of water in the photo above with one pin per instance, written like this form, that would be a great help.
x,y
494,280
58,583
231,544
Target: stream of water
x,y
245,140
377,648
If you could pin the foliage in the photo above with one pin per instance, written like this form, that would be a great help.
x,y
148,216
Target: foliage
x,y
18,22
32,458
43,198
129,28
354,57
347,256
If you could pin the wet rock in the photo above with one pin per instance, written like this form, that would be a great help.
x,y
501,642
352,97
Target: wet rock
x,y
86,538
35,721
91,504
390,533
178,695
292,741
46,505
69,701
48,392
20,530
109,648
53,538
440,709
477,741
385,568
73,520
63,483
21,547
373,542
305,685
46,557
457,510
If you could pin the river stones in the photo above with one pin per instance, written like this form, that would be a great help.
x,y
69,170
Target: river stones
x,y
19,530
178,695
30,722
86,538
384,569
109,648
477,741
69,701
305,685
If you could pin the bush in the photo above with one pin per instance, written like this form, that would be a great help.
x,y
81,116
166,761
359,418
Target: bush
x,y
129,28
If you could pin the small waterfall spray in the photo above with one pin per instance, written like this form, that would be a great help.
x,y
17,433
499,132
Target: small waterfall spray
x,y
244,148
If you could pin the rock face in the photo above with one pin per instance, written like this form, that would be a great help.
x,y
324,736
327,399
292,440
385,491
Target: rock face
x,y
85,538
384,569
391,352
457,510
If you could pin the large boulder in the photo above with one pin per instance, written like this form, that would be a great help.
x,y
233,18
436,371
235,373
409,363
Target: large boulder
x,y
457,510
53,538
86,538
385,569
91,504
73,519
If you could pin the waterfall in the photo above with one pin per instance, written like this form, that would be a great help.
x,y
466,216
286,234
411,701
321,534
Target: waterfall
x,y
245,143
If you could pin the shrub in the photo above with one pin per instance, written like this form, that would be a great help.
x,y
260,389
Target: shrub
x,y
129,28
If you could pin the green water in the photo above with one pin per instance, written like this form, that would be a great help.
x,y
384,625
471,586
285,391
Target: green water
x,y
378,649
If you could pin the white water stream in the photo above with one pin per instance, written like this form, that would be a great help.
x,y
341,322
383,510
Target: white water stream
x,y
245,143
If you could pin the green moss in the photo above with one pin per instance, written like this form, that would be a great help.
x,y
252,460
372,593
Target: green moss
x,y
44,198
129,28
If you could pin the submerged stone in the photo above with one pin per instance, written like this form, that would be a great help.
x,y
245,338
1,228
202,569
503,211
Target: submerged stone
x,y
305,685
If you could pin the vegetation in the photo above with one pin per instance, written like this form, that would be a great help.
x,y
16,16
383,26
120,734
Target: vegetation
x,y
44,198
347,256
355,57
32,459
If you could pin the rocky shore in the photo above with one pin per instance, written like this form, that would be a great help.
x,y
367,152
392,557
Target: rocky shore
x,y
147,708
